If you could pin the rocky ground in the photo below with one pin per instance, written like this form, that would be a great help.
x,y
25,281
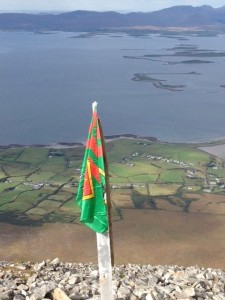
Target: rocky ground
x,y
64,281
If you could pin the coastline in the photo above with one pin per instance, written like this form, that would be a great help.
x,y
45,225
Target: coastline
x,y
60,145
108,138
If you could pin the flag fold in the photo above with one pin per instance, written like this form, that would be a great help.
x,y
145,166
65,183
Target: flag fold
x,y
91,189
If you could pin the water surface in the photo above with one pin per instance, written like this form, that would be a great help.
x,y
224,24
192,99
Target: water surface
x,y
48,82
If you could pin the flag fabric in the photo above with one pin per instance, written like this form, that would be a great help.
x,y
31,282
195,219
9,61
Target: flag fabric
x,y
91,189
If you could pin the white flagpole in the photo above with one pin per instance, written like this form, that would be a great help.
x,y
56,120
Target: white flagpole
x,y
104,264
104,245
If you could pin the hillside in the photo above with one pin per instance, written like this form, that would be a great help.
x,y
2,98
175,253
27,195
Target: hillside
x,y
177,16
168,204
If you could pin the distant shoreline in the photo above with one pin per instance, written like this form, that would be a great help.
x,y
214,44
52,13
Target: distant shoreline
x,y
52,145
64,145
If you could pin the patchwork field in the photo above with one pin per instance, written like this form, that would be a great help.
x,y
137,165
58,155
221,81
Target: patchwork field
x,y
155,188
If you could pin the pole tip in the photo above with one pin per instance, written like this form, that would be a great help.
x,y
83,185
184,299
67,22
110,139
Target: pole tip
x,y
94,106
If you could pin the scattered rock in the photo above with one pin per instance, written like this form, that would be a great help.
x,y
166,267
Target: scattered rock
x,y
67,281
59,294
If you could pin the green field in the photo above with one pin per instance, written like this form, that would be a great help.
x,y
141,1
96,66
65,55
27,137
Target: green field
x,y
40,183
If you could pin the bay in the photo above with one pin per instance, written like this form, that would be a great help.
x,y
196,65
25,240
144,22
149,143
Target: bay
x,y
48,82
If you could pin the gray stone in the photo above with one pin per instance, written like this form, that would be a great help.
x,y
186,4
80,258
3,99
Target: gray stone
x,y
6,295
31,279
94,274
187,293
19,297
22,287
150,296
40,292
55,262
74,279
20,267
39,266
124,292
59,294
220,296
133,297
216,288
141,292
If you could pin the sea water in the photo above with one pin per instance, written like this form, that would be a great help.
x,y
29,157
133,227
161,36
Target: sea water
x,y
49,80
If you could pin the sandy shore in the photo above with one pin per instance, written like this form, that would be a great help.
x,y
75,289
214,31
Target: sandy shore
x,y
64,146
217,150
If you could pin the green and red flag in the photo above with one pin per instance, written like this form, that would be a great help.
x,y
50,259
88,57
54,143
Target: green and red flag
x,y
91,189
